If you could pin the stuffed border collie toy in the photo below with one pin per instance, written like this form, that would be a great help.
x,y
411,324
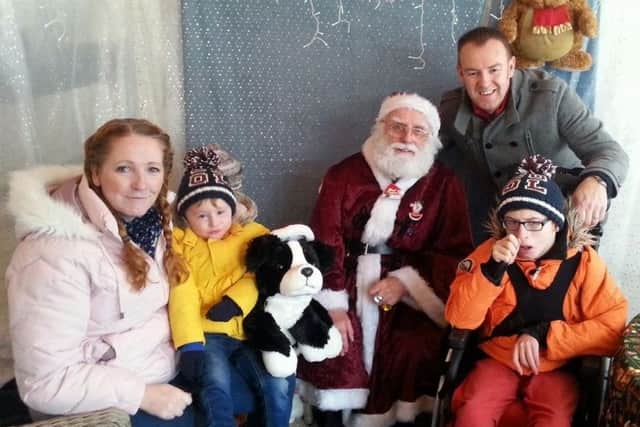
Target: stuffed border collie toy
x,y
287,321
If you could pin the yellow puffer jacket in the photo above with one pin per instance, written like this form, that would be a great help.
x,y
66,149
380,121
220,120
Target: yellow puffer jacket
x,y
216,270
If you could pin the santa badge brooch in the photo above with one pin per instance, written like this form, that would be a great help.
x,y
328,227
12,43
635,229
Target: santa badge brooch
x,y
392,191
415,214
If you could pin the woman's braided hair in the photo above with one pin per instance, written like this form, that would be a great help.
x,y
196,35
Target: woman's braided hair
x,y
96,149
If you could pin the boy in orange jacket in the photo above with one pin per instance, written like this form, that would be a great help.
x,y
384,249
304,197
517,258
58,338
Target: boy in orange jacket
x,y
541,296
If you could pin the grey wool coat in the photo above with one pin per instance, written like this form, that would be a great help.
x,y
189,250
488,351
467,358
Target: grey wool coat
x,y
543,116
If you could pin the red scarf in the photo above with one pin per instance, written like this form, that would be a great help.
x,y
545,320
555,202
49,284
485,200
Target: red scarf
x,y
551,20
486,116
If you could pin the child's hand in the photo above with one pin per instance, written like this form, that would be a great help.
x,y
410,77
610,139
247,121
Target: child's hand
x,y
506,249
526,354
342,322
164,401
224,310
191,366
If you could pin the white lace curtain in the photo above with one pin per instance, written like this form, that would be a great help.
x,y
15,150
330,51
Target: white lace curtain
x,y
67,66
617,95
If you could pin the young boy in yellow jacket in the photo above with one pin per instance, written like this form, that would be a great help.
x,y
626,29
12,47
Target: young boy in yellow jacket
x,y
206,311
540,296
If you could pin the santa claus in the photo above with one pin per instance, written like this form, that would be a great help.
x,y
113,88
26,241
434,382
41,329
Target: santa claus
x,y
398,222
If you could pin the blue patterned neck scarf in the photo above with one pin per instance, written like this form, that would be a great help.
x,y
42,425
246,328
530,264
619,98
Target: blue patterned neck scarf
x,y
145,230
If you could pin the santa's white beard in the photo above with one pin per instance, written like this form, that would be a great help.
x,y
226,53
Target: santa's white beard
x,y
380,151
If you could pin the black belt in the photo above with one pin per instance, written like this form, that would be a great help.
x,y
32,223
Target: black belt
x,y
356,248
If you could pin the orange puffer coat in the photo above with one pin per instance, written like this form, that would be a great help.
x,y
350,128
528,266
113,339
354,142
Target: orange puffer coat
x,y
594,308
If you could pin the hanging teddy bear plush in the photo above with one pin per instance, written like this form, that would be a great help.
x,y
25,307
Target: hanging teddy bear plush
x,y
552,31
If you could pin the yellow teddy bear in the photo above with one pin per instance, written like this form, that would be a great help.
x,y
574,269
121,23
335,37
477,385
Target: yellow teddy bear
x,y
550,31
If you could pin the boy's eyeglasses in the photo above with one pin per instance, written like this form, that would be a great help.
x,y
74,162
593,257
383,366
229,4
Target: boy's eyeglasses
x,y
399,130
514,225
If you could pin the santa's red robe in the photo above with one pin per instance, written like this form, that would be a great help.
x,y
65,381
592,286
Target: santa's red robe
x,y
402,348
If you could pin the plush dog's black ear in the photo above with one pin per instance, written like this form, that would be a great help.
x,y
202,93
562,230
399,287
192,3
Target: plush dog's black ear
x,y
326,254
259,251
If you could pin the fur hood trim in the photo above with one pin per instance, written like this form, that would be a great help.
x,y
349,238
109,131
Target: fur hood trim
x,y
36,212
578,235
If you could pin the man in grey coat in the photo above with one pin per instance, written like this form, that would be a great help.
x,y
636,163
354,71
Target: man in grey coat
x,y
503,115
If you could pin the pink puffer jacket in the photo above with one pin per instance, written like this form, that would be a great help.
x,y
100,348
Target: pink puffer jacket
x,y
70,302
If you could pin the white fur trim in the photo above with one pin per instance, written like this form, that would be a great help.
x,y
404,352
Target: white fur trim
x,y
332,399
400,411
383,215
368,273
35,211
333,300
423,294
413,102
380,224
294,232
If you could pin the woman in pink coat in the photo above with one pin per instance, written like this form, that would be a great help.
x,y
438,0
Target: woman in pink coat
x,y
89,280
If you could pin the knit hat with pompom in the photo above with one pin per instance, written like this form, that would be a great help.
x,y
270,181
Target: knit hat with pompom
x,y
533,188
202,180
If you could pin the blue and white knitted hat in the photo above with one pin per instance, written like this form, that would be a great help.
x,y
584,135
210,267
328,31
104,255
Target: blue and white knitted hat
x,y
203,180
533,187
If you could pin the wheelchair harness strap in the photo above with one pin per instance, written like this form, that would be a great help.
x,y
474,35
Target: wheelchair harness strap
x,y
537,305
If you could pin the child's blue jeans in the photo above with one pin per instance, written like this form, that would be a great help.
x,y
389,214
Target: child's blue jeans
x,y
273,396
234,382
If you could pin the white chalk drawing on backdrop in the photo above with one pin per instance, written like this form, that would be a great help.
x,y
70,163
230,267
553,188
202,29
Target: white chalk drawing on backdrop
x,y
317,35
454,20
341,19
420,57
498,17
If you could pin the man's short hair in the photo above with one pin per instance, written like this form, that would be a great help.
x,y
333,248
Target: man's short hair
x,y
480,35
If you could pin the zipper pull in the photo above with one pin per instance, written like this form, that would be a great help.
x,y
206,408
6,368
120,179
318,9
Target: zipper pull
x,y
536,272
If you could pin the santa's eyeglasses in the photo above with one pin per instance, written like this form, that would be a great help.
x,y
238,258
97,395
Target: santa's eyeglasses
x,y
399,130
